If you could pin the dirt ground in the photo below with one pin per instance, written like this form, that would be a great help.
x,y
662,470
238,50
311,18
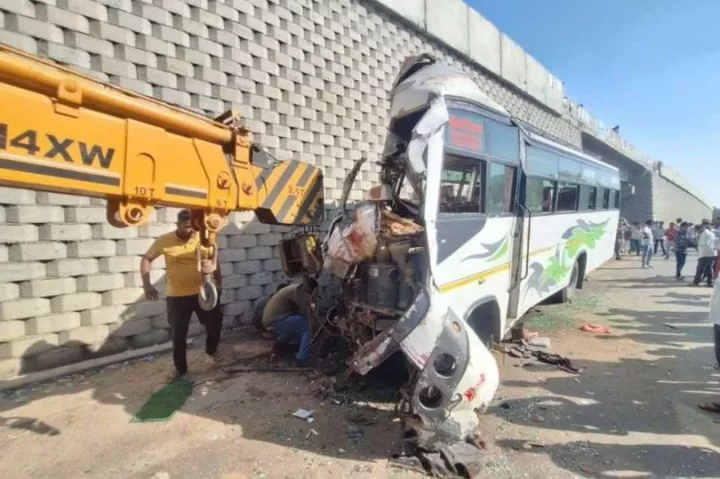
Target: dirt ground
x,y
632,412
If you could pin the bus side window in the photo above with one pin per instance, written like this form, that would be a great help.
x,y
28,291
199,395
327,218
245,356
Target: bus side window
x,y
539,195
616,205
568,194
606,199
500,188
461,185
592,200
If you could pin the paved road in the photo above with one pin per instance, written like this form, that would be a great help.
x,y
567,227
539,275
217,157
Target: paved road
x,y
631,413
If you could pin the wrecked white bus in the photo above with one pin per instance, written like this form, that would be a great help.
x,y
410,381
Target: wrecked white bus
x,y
475,220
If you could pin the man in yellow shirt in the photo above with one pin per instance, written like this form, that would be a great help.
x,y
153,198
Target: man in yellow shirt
x,y
179,248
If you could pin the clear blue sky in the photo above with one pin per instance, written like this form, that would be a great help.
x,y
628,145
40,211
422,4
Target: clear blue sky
x,y
651,66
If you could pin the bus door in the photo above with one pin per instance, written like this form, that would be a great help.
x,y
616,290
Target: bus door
x,y
470,217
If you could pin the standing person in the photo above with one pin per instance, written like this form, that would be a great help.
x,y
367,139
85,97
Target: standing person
x,y
287,313
670,235
180,248
646,243
681,245
620,238
707,250
659,236
635,238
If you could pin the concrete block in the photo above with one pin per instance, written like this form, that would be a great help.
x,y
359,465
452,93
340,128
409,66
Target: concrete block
x,y
84,335
255,228
13,196
259,252
22,42
4,253
100,282
112,33
134,246
154,14
86,214
88,8
231,255
91,249
270,239
24,308
262,278
176,67
153,230
193,56
247,267
10,330
103,315
35,28
119,264
43,288
40,251
12,272
75,302
157,77
60,199
249,292
10,368
28,346
112,345
484,39
160,322
34,214
131,328
133,85
23,7
171,35
54,358
67,55
235,281
107,231
271,265
228,296
52,323
137,24
90,44
512,62
62,18
137,56
64,232
144,340
144,309
113,66
122,296
556,94
133,279
71,267
9,291
237,308
18,233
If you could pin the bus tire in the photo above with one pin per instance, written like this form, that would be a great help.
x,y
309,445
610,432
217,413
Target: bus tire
x,y
568,292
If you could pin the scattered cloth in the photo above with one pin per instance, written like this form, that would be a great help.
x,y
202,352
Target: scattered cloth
x,y
710,406
596,328
163,404
555,359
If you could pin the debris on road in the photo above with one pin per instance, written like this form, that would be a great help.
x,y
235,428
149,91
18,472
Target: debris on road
x,y
710,406
555,359
541,342
596,328
356,433
671,326
304,414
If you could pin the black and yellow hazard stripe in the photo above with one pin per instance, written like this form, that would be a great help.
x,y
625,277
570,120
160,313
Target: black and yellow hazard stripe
x,y
290,193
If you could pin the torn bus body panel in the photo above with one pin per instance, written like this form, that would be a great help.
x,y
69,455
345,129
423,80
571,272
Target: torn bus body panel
x,y
383,253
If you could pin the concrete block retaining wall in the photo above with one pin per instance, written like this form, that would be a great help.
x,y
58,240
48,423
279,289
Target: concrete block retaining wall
x,y
311,78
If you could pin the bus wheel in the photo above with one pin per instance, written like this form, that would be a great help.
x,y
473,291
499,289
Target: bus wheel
x,y
567,293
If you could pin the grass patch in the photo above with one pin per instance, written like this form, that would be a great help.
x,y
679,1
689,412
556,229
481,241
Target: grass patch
x,y
549,321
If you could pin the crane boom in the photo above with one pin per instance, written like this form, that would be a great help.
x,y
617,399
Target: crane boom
x,y
65,132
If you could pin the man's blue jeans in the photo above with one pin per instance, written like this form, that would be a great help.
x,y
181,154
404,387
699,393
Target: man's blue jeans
x,y
294,329
647,253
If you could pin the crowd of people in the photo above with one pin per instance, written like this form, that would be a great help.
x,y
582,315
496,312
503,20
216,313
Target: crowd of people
x,y
652,238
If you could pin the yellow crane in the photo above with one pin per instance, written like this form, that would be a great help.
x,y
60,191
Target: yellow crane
x,y
66,132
